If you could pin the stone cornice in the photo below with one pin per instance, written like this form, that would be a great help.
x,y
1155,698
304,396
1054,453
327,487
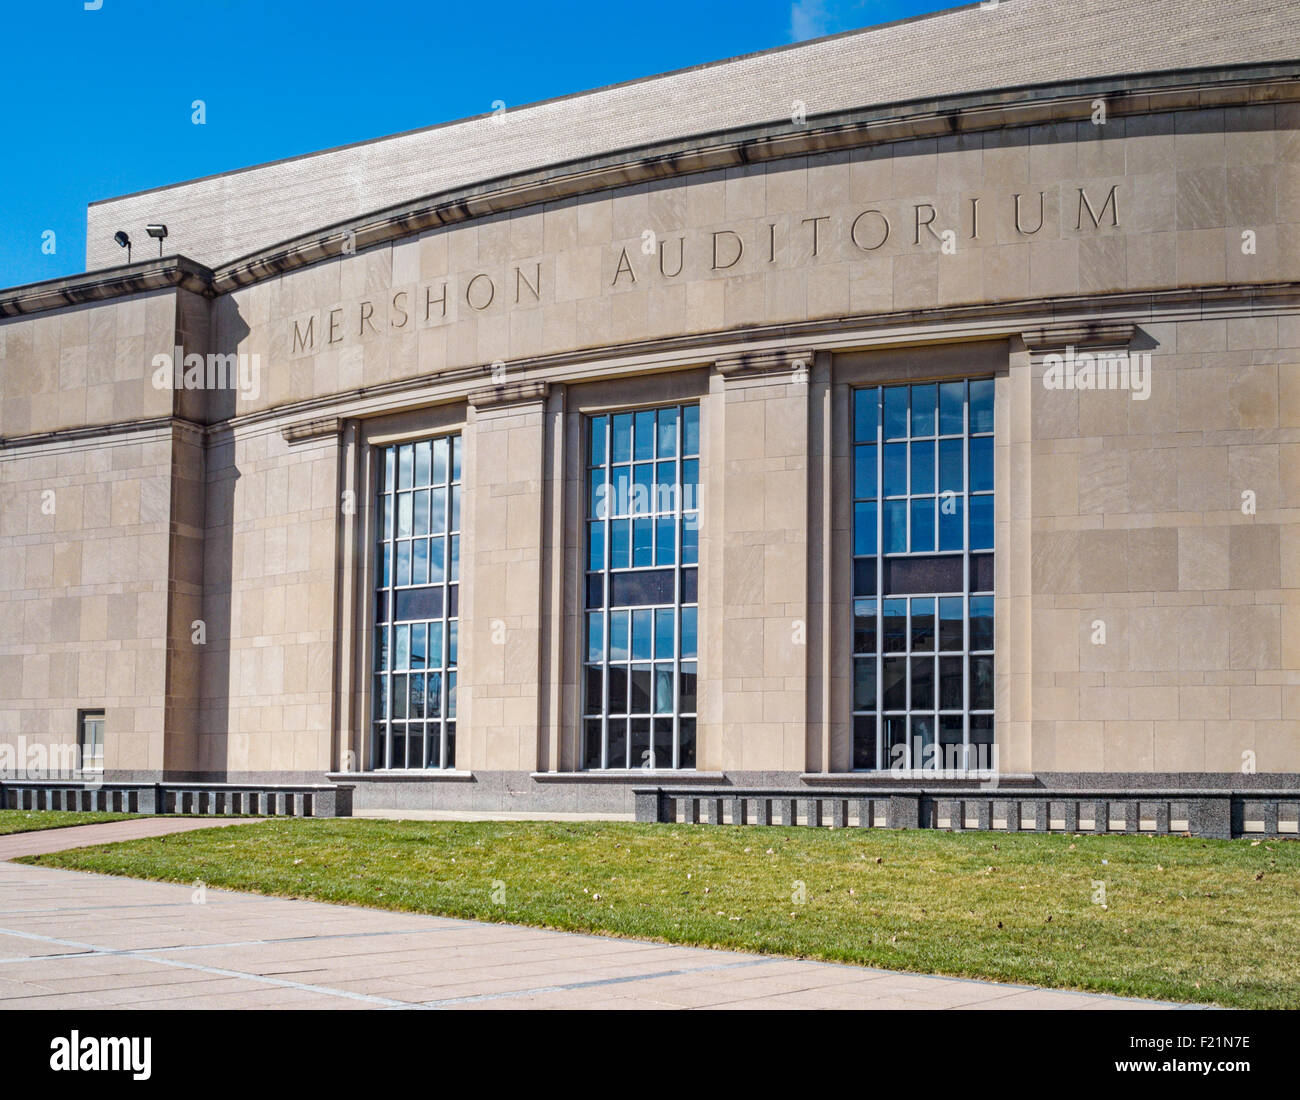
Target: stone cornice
x,y
303,430
999,109
1088,334
93,435
512,393
762,363
112,282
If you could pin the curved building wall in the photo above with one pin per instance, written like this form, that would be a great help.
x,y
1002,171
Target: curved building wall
x,y
1146,577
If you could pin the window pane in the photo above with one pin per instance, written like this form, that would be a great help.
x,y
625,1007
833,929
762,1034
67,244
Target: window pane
x,y
981,463
981,622
665,498
922,625
689,631
950,475
623,437
923,525
420,561
664,633
595,545
618,635
642,631
621,544
618,689
950,697
663,699
981,683
864,471
643,542
951,398
981,522
864,529
691,430
895,685
864,684
645,434
895,533
598,427
864,626
690,539
922,742
981,405
923,398
420,520
951,635
422,462
639,699
617,755
643,488
922,455
896,412
950,523
922,683
864,743
895,626
667,433
866,414
687,687
592,745
595,635
895,472
439,471
665,540
405,466
686,742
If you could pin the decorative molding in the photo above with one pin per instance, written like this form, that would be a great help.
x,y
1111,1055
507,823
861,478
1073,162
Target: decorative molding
x,y
93,435
765,362
1087,334
312,429
511,393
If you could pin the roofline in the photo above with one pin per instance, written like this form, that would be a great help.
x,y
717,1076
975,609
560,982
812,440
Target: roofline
x,y
1177,90
540,103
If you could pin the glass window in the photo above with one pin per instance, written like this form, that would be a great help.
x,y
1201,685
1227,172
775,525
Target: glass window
x,y
90,739
416,606
923,477
640,672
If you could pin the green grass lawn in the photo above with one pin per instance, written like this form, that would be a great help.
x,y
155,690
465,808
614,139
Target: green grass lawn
x,y
1183,919
27,821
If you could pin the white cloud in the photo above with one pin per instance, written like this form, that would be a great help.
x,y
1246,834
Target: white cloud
x,y
809,19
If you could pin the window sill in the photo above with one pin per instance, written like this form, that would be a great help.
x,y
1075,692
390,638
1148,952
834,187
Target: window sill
x,y
642,775
404,775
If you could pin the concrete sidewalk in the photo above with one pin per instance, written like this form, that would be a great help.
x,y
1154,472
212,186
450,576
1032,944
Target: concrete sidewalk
x,y
75,940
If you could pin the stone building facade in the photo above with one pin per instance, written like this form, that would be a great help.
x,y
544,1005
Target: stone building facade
x,y
948,422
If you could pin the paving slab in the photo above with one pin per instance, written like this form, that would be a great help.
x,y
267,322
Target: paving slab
x,y
69,939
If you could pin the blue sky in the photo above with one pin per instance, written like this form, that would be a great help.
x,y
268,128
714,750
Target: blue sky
x,y
101,99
